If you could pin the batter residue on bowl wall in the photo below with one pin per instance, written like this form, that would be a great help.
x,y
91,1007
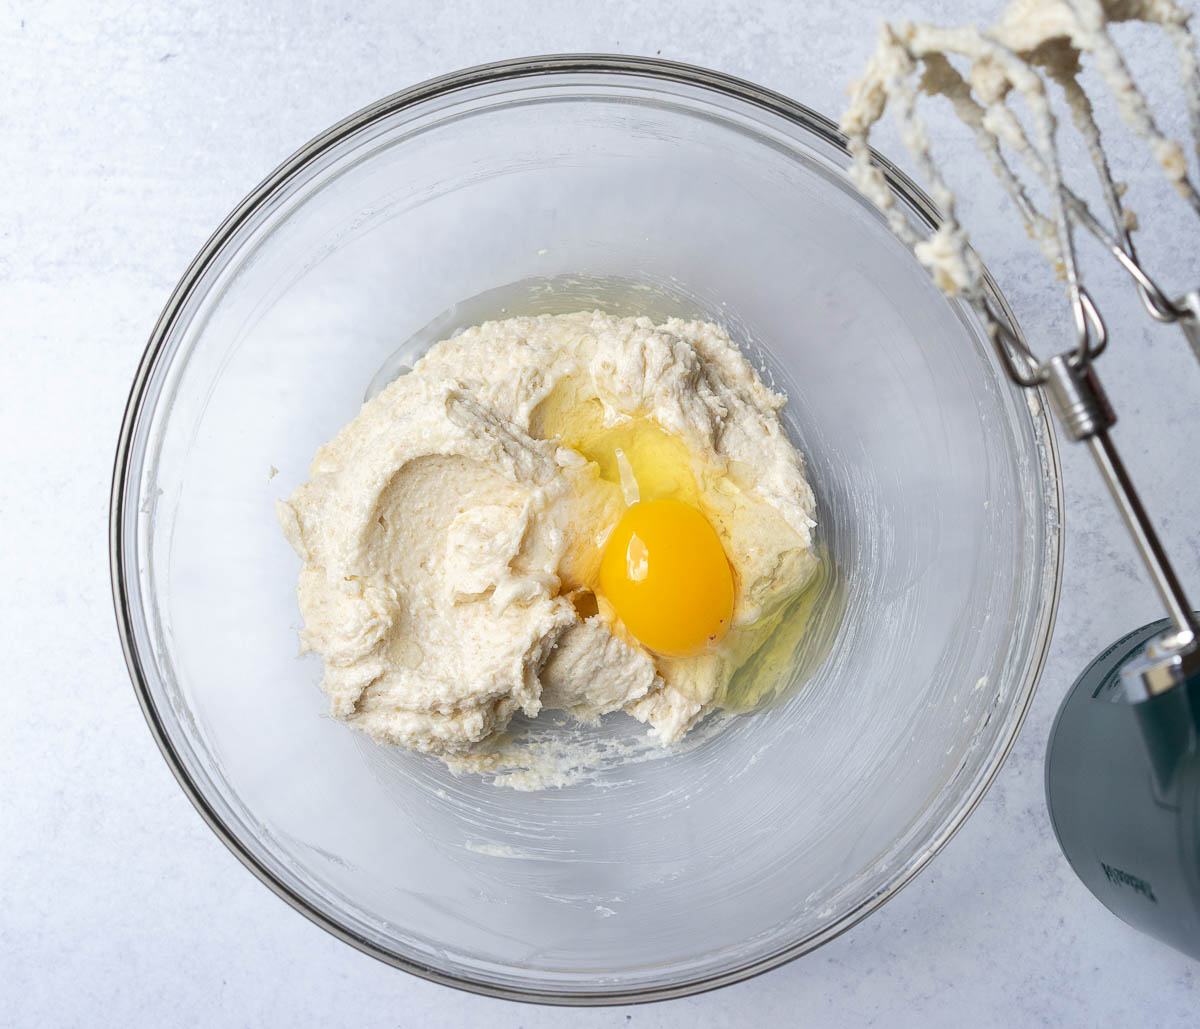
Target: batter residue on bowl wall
x,y
573,512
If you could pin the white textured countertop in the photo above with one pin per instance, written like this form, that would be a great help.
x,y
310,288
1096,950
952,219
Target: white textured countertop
x,y
128,134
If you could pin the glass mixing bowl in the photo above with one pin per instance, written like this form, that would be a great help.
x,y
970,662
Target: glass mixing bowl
x,y
620,183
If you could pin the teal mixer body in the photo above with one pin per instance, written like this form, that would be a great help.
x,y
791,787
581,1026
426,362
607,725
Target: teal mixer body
x,y
1123,789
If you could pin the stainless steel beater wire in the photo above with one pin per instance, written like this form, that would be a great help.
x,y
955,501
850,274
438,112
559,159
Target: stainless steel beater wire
x,y
1118,242
1083,115
1099,331
1157,303
1134,109
1010,347
971,112
1112,470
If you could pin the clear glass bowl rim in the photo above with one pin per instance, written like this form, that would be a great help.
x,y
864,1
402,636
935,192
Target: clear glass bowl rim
x,y
494,74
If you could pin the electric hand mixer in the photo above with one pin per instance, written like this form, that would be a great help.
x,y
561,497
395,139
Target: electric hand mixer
x,y
1123,762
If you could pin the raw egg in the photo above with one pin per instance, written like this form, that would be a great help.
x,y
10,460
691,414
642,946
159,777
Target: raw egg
x,y
666,575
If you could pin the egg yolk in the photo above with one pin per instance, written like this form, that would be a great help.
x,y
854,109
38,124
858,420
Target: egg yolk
x,y
667,577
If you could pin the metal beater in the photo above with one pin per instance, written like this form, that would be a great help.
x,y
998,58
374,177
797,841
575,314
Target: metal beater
x,y
1123,762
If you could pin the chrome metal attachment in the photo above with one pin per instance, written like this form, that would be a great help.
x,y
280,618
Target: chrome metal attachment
x,y
1168,661
1077,397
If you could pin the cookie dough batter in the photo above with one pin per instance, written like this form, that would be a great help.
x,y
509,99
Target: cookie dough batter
x,y
452,534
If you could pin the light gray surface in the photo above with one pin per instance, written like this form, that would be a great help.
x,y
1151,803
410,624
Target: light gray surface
x,y
128,135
